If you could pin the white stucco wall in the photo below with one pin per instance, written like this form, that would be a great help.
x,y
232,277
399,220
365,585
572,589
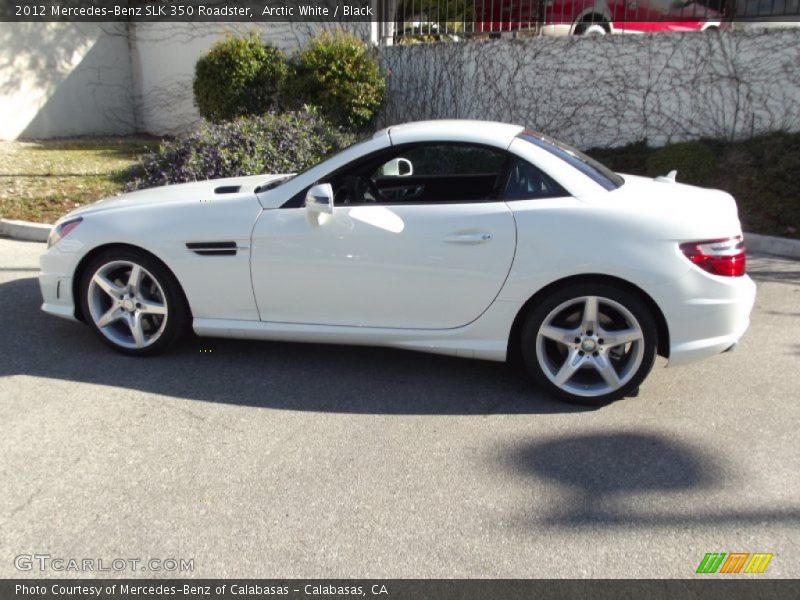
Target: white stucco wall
x,y
63,79
67,79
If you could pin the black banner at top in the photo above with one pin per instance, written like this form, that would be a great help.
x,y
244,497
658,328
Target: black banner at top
x,y
431,16
334,11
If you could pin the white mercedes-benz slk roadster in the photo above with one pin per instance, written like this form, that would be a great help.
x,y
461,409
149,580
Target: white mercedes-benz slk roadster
x,y
476,239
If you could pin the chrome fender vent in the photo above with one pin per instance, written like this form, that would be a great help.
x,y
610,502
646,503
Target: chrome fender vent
x,y
213,248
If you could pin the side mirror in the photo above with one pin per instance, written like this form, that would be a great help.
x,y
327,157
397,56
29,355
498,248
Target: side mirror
x,y
398,167
319,199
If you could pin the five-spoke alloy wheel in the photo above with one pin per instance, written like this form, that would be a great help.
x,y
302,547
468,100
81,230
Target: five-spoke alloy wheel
x,y
133,302
590,343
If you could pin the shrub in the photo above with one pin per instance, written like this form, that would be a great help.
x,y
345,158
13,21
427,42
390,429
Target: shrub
x,y
336,73
271,143
625,159
761,173
238,76
694,161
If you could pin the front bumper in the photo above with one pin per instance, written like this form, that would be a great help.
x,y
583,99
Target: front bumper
x,y
55,281
57,295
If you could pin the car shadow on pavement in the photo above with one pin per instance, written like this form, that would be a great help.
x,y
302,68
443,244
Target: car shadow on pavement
x,y
304,377
631,479
773,269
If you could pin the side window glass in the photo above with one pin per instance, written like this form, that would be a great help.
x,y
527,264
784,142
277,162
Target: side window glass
x,y
430,173
444,160
425,173
527,182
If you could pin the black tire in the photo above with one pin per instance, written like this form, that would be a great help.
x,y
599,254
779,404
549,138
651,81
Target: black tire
x,y
619,311
591,27
158,289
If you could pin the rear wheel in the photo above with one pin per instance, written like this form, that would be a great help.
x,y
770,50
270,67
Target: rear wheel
x,y
592,27
590,343
133,302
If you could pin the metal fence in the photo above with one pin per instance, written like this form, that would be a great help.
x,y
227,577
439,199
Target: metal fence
x,y
442,20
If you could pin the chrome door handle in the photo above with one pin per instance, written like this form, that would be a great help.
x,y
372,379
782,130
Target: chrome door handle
x,y
479,237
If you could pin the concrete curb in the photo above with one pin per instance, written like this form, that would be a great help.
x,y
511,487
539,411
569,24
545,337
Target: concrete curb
x,y
772,245
24,230
36,232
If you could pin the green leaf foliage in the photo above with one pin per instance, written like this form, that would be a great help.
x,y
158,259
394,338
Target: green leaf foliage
x,y
270,143
337,74
694,161
238,76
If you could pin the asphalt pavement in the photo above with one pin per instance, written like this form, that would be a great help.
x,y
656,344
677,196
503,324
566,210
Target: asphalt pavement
x,y
285,460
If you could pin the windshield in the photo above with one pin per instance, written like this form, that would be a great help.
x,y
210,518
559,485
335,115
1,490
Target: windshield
x,y
599,173
278,182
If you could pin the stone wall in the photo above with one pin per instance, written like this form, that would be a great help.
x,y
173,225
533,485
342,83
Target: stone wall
x,y
61,79
606,90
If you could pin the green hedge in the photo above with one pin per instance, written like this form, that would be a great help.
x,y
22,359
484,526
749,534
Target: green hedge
x,y
337,73
694,161
238,76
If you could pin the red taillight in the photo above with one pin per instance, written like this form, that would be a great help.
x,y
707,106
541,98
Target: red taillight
x,y
725,257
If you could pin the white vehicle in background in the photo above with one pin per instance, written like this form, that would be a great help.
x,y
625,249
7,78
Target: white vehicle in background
x,y
476,239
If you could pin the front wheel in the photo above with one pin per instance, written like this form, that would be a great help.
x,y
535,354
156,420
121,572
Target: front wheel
x,y
133,302
590,343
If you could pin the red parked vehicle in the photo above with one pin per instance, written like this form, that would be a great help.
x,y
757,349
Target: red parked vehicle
x,y
597,17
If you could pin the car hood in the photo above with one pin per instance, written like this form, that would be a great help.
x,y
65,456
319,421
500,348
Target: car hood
x,y
182,193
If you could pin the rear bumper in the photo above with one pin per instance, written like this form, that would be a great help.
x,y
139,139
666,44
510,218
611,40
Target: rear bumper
x,y
712,316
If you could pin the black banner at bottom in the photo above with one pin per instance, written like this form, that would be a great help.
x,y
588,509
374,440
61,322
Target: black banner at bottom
x,y
397,589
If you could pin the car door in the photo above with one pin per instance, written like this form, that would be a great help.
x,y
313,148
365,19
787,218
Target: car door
x,y
432,252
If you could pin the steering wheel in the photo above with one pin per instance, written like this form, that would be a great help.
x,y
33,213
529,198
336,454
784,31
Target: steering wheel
x,y
366,184
353,190
342,195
